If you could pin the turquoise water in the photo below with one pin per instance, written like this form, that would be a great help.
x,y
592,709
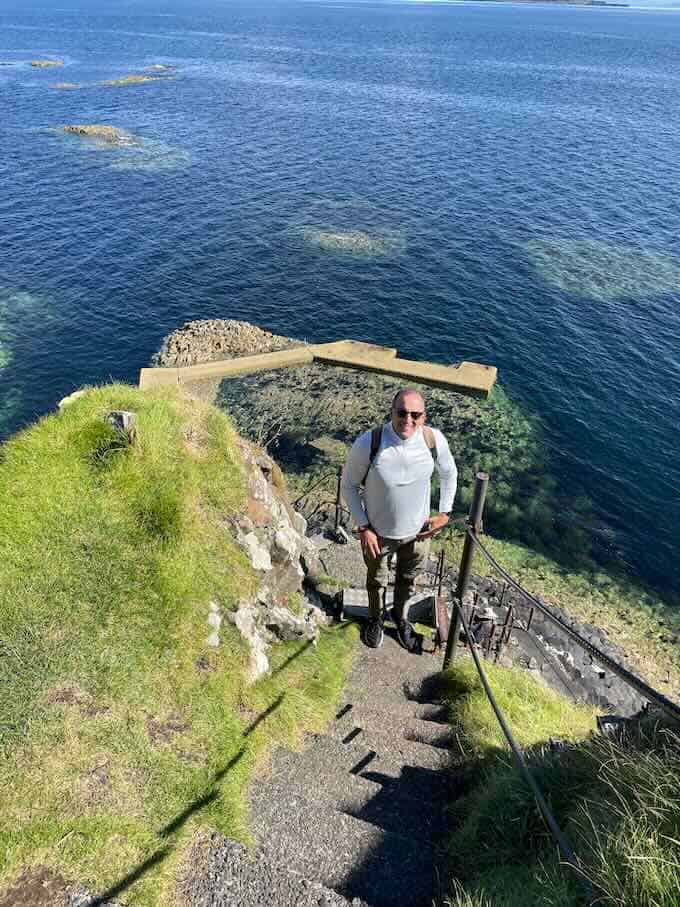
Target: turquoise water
x,y
514,167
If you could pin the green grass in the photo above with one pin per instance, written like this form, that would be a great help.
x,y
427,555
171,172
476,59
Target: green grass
x,y
116,718
534,712
647,628
617,801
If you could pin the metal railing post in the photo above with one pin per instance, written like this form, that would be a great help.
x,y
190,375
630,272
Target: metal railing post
x,y
475,527
338,498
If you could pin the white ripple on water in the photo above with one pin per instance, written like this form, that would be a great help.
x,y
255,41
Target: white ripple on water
x,y
604,271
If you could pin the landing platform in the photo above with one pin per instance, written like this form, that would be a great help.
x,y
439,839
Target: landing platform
x,y
470,378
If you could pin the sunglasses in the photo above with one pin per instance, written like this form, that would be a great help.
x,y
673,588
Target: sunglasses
x,y
403,413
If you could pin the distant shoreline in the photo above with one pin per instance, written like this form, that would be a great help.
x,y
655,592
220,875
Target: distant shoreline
x,y
598,3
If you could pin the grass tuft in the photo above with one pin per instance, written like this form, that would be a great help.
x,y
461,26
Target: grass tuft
x,y
617,800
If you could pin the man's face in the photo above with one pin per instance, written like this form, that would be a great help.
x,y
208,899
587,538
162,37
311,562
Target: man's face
x,y
403,421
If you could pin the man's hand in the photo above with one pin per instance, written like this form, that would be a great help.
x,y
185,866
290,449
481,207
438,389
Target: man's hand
x,y
371,543
434,524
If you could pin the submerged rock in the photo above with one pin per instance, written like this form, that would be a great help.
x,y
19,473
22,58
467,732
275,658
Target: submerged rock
x,y
65,85
45,64
135,79
102,132
355,242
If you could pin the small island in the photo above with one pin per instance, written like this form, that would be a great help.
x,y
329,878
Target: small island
x,y
45,64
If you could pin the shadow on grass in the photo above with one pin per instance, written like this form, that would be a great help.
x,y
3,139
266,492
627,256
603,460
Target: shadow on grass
x,y
180,819
291,658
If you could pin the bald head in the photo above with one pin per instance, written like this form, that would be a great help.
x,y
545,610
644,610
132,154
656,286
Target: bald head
x,y
398,398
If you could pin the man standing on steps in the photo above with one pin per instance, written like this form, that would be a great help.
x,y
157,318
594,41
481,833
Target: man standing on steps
x,y
395,462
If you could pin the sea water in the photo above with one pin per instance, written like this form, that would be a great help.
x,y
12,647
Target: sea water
x,y
492,182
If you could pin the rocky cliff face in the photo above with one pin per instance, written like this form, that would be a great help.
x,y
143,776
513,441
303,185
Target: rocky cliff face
x,y
273,536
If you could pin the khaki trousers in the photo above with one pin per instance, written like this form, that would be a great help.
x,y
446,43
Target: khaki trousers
x,y
411,555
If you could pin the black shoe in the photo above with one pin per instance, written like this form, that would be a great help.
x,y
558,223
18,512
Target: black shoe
x,y
373,633
410,640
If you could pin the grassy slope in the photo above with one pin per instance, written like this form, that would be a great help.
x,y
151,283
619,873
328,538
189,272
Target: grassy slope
x,y
638,621
115,716
618,802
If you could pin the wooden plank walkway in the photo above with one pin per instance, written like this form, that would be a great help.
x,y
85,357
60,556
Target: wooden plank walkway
x,y
469,378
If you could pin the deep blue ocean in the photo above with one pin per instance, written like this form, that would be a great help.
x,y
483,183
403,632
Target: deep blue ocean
x,y
519,165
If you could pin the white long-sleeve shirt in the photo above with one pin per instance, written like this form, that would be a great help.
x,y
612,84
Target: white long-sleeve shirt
x,y
396,498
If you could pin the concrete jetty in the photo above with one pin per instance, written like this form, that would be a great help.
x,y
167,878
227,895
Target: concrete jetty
x,y
471,378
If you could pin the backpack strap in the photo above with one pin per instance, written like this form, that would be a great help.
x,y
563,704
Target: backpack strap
x,y
428,434
376,438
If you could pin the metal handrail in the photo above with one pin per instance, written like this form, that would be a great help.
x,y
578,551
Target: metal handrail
x,y
670,707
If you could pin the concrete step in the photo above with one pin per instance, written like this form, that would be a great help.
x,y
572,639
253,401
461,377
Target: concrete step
x,y
390,667
403,710
354,857
418,808
325,757
391,727
391,739
232,876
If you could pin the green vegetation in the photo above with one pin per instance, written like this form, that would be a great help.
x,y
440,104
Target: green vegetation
x,y
121,730
309,423
645,627
617,801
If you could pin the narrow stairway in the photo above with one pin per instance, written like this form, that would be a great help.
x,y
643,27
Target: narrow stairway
x,y
358,817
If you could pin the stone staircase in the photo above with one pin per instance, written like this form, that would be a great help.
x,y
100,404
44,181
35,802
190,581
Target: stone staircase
x,y
360,816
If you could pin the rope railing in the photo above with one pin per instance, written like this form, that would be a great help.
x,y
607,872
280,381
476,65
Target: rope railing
x,y
561,839
642,687
472,541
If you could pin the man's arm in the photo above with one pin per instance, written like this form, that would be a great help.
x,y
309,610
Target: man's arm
x,y
354,474
448,475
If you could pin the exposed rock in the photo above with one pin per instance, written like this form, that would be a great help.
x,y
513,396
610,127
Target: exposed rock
x,y
124,423
65,401
161,67
549,651
135,79
245,619
272,535
45,64
206,341
98,131
214,622
258,552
